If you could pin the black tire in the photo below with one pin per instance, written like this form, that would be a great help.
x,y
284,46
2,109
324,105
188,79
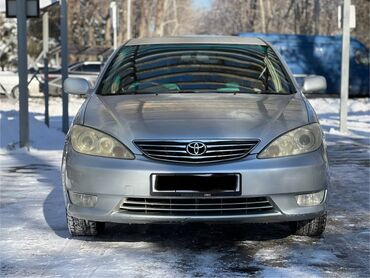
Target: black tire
x,y
82,227
15,92
313,227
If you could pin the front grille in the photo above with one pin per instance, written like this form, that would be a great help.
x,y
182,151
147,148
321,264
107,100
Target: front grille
x,y
197,206
216,151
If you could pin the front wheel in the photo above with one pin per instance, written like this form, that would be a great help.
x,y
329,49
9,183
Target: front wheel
x,y
82,227
312,227
15,92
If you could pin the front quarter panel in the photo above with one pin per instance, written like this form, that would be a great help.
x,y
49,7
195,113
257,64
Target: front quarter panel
x,y
311,114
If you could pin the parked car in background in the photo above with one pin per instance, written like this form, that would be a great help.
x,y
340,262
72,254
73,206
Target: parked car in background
x,y
195,129
9,80
88,70
321,55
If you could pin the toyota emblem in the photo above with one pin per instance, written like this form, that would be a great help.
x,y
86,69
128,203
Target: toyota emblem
x,y
196,148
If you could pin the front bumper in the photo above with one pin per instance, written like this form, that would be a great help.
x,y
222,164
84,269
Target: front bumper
x,y
112,180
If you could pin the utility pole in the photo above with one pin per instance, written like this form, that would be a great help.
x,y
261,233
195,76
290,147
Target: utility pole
x,y
263,21
22,73
345,65
64,39
128,19
113,10
45,50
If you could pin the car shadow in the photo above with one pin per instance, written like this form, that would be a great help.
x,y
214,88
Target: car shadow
x,y
200,234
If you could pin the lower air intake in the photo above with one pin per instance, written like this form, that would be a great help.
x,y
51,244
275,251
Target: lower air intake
x,y
197,206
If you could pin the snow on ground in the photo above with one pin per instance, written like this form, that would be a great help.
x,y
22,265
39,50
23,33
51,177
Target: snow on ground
x,y
34,239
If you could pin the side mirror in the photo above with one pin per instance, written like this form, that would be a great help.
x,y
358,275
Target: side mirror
x,y
314,83
76,86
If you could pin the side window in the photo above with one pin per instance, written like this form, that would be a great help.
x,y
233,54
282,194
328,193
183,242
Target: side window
x,y
361,57
78,68
319,50
92,68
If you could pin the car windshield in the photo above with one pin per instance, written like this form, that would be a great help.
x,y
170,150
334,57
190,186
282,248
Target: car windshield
x,y
195,68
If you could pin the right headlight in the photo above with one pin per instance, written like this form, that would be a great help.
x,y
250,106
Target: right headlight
x,y
301,140
90,141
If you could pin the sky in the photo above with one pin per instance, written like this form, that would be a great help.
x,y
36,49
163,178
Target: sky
x,y
2,5
202,3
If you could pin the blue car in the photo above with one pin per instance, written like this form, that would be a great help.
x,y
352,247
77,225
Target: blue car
x,y
321,55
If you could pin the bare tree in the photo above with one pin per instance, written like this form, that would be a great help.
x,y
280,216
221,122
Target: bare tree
x,y
281,16
362,30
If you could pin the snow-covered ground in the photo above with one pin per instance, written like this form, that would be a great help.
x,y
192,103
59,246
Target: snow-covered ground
x,y
34,239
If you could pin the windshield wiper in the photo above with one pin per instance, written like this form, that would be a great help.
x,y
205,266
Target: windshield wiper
x,y
135,93
139,92
269,92
261,92
191,91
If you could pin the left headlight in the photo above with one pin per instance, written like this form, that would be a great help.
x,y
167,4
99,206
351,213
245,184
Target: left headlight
x,y
301,140
90,141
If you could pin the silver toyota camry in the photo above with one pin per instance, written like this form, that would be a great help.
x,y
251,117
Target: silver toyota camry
x,y
195,129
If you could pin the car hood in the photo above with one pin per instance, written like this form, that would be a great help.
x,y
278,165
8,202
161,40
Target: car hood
x,y
195,117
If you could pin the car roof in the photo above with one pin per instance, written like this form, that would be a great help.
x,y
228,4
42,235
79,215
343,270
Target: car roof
x,y
200,39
